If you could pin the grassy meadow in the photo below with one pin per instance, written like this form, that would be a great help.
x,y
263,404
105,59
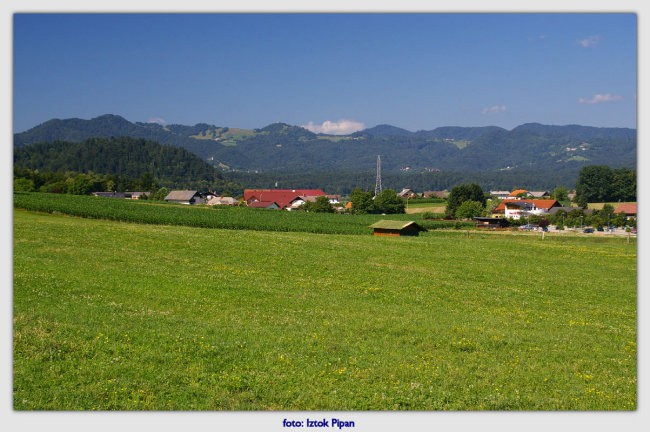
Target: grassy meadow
x,y
123,316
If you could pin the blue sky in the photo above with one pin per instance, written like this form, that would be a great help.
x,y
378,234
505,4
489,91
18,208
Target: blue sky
x,y
330,72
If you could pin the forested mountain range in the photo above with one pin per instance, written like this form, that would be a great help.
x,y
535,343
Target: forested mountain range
x,y
123,156
559,151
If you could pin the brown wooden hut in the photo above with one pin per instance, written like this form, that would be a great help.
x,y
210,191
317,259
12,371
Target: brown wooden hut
x,y
396,228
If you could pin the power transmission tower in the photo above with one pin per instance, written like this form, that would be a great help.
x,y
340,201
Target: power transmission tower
x,y
378,179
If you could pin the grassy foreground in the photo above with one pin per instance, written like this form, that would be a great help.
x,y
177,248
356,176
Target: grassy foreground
x,y
120,316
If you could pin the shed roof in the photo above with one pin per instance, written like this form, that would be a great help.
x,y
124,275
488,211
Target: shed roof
x,y
180,195
396,225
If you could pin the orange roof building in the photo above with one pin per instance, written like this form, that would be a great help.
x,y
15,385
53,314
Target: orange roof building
x,y
515,193
629,209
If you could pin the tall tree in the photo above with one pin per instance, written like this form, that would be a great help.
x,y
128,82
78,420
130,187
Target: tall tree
x,y
623,185
361,201
469,209
594,184
388,202
560,194
461,193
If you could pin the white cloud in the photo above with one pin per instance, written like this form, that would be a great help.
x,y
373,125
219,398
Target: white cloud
x,y
159,120
495,109
600,98
341,127
589,41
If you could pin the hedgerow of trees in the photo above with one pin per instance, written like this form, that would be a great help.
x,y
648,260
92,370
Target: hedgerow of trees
x,y
578,217
387,201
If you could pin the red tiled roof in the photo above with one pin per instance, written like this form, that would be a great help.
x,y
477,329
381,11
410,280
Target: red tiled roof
x,y
545,204
282,197
627,208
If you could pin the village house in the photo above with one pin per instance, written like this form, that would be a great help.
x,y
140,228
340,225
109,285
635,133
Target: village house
x,y
436,194
220,200
407,193
300,201
518,194
185,197
629,209
500,194
539,194
334,199
269,205
283,198
516,208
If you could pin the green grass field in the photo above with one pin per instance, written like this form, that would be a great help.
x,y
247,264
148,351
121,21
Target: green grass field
x,y
123,316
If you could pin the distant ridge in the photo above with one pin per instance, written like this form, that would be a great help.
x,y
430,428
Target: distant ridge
x,y
287,148
384,130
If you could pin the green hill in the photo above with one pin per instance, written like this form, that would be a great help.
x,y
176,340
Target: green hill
x,y
130,157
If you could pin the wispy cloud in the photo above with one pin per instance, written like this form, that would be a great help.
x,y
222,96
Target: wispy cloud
x,y
495,109
600,98
589,41
341,127
159,120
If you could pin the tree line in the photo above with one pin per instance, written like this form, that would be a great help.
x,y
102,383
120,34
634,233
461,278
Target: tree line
x,y
76,183
114,164
600,183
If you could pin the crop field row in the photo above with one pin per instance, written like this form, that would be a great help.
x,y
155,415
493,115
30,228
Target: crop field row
x,y
123,316
209,217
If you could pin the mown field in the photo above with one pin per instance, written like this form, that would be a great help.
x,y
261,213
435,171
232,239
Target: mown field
x,y
123,316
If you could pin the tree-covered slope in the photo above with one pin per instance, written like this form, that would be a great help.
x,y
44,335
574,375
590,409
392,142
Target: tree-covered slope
x,y
122,156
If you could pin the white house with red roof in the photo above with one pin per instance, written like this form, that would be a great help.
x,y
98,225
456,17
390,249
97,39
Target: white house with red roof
x,y
516,208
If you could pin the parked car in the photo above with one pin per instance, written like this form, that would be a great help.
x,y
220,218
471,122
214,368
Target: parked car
x,y
588,230
527,227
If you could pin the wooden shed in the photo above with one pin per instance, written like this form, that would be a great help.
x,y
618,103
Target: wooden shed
x,y
491,223
396,228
